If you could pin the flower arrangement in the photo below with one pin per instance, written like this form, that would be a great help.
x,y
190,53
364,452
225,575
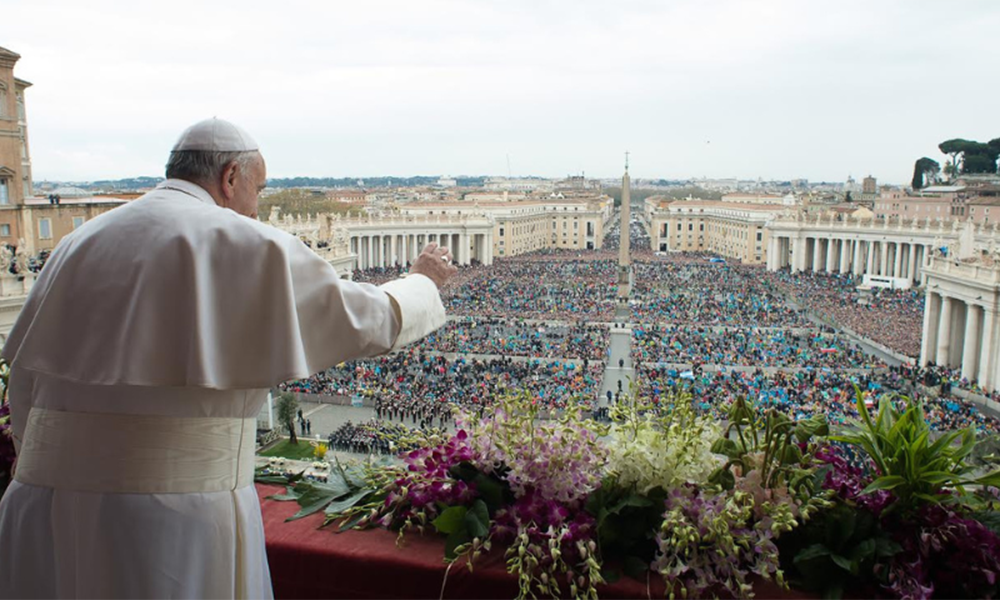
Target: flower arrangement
x,y
319,450
884,508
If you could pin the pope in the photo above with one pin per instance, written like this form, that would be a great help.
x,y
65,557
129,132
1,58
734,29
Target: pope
x,y
140,362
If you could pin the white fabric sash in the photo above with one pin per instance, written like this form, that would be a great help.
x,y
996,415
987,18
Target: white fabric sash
x,y
136,454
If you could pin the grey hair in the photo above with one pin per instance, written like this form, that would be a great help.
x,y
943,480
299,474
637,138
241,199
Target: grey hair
x,y
205,165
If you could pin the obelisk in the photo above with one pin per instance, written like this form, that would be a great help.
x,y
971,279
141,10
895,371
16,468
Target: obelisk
x,y
624,260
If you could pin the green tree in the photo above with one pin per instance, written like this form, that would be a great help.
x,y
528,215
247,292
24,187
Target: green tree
x,y
924,171
953,147
969,156
288,406
980,158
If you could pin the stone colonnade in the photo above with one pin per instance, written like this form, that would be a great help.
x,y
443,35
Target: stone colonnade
x,y
961,320
854,255
386,249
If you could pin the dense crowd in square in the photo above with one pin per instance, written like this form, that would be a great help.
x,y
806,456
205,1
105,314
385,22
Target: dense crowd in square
x,y
694,317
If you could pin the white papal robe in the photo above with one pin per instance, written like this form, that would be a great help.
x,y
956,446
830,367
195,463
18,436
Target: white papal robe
x,y
139,364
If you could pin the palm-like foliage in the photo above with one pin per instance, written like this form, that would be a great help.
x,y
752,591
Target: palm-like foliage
x,y
913,466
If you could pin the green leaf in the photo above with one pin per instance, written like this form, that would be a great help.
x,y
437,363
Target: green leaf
x,y
992,479
862,551
477,520
492,491
464,471
884,483
455,539
350,523
807,428
635,500
339,506
315,496
885,547
792,455
811,552
636,568
451,520
839,530
844,563
726,447
723,477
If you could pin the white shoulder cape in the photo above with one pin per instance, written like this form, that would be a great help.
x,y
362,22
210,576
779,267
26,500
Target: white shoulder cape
x,y
173,290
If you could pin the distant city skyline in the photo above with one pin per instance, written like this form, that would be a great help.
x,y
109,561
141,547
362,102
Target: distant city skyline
x,y
776,89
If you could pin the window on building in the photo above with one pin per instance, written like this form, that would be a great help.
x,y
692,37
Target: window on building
x,y
4,194
678,227
501,232
45,229
690,226
5,230
77,221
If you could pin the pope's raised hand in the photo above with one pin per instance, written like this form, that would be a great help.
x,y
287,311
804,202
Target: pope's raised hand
x,y
434,262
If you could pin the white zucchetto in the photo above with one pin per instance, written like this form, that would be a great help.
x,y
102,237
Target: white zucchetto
x,y
215,135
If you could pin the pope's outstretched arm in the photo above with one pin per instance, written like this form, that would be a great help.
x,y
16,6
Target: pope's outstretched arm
x,y
341,320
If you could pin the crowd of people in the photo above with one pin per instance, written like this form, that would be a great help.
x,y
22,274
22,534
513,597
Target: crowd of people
x,y
517,337
803,393
748,347
569,289
893,318
424,388
375,436
539,323
697,292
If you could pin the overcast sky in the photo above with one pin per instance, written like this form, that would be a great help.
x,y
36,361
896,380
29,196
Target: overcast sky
x,y
776,89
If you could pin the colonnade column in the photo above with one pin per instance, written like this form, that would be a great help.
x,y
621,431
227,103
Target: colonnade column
x,y
870,249
944,332
858,255
831,256
817,255
463,245
799,255
970,356
845,256
985,377
897,260
911,269
932,317
883,258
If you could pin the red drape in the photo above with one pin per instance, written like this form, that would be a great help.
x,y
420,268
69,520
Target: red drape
x,y
307,562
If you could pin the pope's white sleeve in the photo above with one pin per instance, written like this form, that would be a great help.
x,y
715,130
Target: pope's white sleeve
x,y
342,320
337,320
420,307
